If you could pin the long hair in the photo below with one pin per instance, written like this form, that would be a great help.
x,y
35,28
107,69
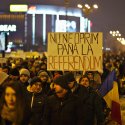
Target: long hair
x,y
20,102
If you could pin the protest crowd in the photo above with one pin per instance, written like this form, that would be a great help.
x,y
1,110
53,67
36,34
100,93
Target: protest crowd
x,y
32,95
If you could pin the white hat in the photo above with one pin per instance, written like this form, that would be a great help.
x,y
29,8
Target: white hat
x,y
3,77
24,71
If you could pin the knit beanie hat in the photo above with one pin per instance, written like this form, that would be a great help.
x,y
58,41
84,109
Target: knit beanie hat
x,y
42,72
24,71
34,80
14,72
3,77
61,81
69,77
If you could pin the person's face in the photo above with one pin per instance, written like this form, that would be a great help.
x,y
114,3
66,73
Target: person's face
x,y
37,87
43,67
10,97
24,78
43,77
90,75
85,82
71,84
37,69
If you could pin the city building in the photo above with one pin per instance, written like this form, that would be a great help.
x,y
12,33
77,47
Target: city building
x,y
28,30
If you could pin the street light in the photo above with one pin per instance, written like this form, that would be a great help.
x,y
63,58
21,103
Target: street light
x,y
123,42
95,6
79,6
87,9
117,34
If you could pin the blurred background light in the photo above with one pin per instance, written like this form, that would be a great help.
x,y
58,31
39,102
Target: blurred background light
x,y
18,8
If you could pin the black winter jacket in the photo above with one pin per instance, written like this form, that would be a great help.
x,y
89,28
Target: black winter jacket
x,y
93,108
80,91
36,104
64,111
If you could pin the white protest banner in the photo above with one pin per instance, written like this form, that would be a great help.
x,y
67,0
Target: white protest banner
x,y
75,51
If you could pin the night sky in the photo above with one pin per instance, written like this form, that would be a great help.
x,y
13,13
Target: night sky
x,y
109,16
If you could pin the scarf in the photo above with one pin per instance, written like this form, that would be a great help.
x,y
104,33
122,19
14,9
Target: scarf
x,y
9,114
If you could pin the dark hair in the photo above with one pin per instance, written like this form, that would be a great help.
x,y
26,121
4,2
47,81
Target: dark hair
x,y
14,72
34,80
89,72
20,102
84,76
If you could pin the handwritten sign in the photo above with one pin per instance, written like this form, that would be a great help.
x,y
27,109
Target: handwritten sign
x,y
74,51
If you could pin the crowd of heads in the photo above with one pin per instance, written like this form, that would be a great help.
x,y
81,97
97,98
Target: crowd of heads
x,y
32,74
25,70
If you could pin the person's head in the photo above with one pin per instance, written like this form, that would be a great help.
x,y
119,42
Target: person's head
x,y
84,80
14,74
24,75
108,66
44,59
36,85
36,63
90,74
6,69
18,62
12,94
43,75
56,73
69,76
60,86
37,69
43,66
12,98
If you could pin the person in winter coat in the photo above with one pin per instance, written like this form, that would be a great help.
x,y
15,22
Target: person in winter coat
x,y
24,76
92,107
45,79
62,108
13,109
36,101
75,88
